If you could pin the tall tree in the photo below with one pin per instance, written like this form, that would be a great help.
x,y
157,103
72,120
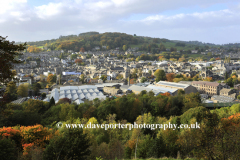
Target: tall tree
x,y
8,52
11,91
36,89
124,47
22,90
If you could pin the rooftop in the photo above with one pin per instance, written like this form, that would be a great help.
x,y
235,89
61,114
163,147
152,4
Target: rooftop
x,y
215,84
173,84
222,98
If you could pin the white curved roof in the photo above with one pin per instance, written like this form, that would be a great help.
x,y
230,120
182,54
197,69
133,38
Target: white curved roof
x,y
75,96
76,93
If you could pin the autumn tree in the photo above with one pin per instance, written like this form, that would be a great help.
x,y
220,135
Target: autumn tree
x,y
51,78
82,50
170,77
78,61
34,49
8,52
209,79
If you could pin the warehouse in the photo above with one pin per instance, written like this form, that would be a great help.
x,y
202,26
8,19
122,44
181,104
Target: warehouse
x,y
172,85
76,94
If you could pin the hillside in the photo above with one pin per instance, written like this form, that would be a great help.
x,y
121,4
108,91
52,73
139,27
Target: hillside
x,y
112,40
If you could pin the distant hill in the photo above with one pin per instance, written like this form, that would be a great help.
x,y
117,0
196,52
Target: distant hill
x,y
113,40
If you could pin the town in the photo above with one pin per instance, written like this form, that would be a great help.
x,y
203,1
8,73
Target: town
x,y
51,87
216,79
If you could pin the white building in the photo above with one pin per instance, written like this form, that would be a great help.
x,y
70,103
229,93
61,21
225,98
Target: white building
x,y
76,94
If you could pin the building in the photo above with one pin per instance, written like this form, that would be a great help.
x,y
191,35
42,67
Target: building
x,y
112,91
226,92
210,88
222,99
155,89
172,85
76,94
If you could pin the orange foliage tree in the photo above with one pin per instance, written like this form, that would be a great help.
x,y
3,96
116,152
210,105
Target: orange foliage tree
x,y
132,81
35,136
209,79
14,134
160,58
167,94
82,50
170,77
33,49
78,61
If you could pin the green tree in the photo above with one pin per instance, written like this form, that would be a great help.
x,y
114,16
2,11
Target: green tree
x,y
238,97
8,150
160,75
8,52
73,56
82,78
124,47
22,90
61,56
209,54
36,88
226,76
73,144
11,91
43,95
52,102
143,79
150,72
212,59
103,77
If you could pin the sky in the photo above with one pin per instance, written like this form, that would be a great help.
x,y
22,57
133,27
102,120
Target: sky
x,y
209,21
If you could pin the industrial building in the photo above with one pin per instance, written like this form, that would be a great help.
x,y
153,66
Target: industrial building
x,y
177,86
76,94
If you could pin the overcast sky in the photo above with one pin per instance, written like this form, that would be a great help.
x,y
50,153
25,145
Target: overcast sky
x,y
213,21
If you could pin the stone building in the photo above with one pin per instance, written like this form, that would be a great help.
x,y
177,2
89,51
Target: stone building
x,y
210,88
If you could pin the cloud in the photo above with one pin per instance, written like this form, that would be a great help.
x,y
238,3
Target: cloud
x,y
61,17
